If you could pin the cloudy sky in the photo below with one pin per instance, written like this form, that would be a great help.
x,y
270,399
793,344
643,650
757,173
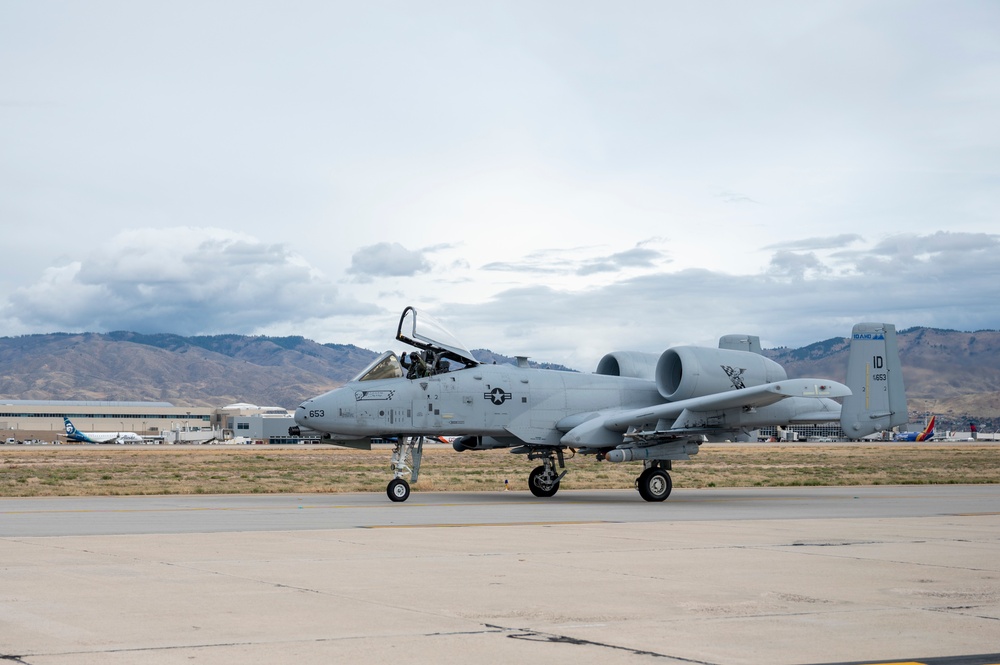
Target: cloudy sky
x,y
555,179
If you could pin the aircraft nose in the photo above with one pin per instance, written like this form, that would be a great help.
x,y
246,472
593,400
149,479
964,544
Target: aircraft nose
x,y
301,415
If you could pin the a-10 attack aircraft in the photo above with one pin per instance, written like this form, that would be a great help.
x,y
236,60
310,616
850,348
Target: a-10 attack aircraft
x,y
637,406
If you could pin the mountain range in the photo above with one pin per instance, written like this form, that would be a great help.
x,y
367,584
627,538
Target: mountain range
x,y
951,373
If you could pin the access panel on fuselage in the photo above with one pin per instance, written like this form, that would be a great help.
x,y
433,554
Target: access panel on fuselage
x,y
382,410
443,404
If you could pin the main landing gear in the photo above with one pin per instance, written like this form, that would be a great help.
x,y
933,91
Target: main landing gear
x,y
406,456
654,482
543,481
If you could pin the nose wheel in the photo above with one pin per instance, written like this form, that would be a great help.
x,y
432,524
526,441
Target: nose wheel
x,y
406,456
398,490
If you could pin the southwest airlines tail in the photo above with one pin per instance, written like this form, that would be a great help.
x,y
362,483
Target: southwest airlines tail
x,y
875,377
926,435
928,432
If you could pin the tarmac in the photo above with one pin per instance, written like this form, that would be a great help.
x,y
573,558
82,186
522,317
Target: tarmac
x,y
714,576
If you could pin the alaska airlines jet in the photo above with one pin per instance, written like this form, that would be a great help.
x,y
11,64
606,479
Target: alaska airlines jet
x,y
926,435
73,434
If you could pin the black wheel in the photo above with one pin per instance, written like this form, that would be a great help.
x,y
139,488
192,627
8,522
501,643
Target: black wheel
x,y
540,485
654,484
398,489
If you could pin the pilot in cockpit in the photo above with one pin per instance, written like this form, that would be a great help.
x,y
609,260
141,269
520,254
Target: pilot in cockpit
x,y
419,364
416,366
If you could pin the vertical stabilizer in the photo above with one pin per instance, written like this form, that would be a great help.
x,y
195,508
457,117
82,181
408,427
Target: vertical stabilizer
x,y
928,432
875,377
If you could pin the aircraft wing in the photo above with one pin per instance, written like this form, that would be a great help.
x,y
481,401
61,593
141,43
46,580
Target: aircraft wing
x,y
695,414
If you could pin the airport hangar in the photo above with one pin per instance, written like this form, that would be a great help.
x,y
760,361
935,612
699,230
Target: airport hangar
x,y
155,421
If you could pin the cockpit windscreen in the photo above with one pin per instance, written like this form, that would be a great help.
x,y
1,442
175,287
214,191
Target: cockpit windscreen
x,y
386,366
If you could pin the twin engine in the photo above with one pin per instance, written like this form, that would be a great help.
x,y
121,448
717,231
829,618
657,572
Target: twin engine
x,y
683,372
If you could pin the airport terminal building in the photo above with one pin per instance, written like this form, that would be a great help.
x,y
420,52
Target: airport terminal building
x,y
154,421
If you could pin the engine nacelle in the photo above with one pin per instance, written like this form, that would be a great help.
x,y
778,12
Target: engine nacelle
x,y
683,372
631,364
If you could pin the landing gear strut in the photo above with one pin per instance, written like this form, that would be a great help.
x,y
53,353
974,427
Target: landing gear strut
x,y
406,456
654,482
543,481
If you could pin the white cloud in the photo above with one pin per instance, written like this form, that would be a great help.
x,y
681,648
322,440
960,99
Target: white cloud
x,y
795,265
182,280
387,259
829,242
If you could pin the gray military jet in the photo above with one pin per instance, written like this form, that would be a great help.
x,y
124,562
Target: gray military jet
x,y
637,406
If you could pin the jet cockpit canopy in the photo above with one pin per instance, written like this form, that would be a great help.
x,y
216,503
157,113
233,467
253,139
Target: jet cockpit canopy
x,y
424,332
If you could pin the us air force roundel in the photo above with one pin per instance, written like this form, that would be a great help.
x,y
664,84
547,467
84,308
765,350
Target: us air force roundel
x,y
498,396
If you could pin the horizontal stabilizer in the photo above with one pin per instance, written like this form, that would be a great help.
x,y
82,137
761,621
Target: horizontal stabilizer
x,y
756,396
812,417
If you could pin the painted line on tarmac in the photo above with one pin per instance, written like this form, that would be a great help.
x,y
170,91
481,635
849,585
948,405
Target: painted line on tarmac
x,y
457,526
972,514
975,659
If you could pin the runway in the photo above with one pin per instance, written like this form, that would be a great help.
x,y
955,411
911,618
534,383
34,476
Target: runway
x,y
132,515
715,576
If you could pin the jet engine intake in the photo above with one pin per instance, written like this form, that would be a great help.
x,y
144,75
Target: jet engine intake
x,y
683,372
630,364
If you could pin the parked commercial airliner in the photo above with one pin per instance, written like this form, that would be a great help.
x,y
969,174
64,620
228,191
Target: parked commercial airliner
x,y
926,435
73,434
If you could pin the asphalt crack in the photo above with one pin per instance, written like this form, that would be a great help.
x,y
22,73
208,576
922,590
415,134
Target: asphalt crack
x,y
530,635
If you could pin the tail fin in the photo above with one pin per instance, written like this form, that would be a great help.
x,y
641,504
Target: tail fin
x,y
928,432
70,429
875,377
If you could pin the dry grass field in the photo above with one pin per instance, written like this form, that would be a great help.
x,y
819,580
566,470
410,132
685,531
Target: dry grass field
x,y
121,470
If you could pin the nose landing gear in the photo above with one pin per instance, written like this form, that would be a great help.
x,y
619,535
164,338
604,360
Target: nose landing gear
x,y
406,456
398,489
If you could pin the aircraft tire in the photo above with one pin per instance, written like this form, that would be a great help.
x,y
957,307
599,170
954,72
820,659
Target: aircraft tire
x,y
398,490
538,489
654,484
